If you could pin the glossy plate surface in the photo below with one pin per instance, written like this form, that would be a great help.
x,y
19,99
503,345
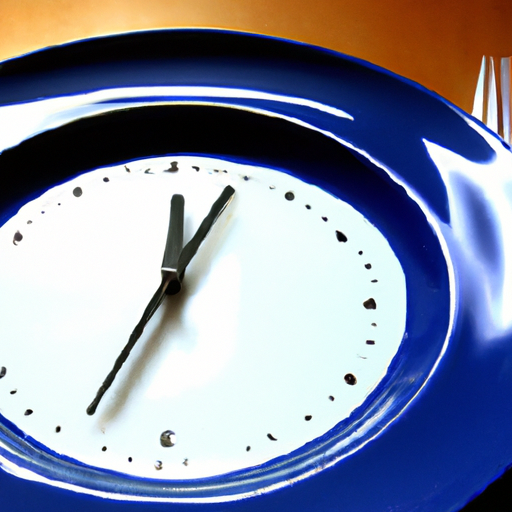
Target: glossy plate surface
x,y
431,179
251,347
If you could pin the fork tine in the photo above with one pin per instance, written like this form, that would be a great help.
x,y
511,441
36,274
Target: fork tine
x,y
478,102
506,99
492,101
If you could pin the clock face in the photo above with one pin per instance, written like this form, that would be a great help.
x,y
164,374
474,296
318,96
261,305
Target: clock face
x,y
298,335
330,329
290,316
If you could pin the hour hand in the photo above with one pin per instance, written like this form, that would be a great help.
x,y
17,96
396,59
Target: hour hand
x,y
174,245
191,248
169,284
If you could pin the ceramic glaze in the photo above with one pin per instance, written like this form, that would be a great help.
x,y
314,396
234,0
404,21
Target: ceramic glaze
x,y
430,181
292,289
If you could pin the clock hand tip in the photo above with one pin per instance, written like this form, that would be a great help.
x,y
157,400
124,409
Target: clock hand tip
x,y
178,198
94,404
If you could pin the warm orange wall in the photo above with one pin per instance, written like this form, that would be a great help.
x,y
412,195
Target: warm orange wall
x,y
437,43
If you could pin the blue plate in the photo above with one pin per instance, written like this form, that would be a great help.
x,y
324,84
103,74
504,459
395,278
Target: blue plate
x,y
436,182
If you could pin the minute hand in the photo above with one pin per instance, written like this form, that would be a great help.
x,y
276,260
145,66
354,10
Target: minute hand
x,y
173,249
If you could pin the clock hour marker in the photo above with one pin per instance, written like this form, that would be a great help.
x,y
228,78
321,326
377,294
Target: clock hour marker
x,y
289,196
370,342
77,192
368,266
168,438
28,412
341,237
174,167
57,429
3,371
350,379
308,417
370,304
18,237
271,437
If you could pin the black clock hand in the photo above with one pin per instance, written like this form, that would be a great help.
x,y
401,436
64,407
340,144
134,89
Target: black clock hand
x,y
174,264
174,244
170,282
191,248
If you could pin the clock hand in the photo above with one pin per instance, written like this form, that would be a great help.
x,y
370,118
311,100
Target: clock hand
x,y
174,244
174,264
170,282
191,248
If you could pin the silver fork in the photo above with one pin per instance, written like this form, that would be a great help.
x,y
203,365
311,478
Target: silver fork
x,y
493,96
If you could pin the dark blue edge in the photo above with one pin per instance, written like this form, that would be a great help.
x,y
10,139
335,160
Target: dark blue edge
x,y
223,58
450,498
374,190
337,54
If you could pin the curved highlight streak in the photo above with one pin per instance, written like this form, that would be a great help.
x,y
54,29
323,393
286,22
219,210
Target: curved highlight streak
x,y
41,115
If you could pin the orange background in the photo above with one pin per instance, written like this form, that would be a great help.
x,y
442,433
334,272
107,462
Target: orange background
x,y
437,43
